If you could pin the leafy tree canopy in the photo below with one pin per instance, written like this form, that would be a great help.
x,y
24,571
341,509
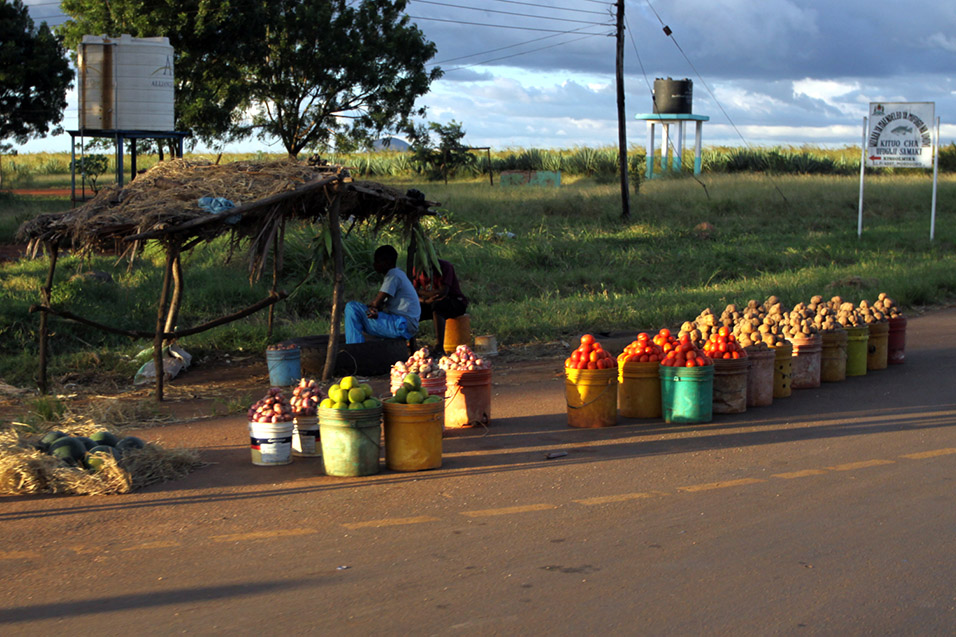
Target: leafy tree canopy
x,y
34,75
448,156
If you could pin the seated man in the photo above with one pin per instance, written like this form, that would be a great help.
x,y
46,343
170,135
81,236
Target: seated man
x,y
394,311
441,298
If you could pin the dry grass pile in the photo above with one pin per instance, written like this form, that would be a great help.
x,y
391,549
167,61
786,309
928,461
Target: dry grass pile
x,y
24,469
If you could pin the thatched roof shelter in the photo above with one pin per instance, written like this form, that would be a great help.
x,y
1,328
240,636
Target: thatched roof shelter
x,y
162,205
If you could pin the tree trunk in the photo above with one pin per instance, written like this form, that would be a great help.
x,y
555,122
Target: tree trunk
x,y
338,261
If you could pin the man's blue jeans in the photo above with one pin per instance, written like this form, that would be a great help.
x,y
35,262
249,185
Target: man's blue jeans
x,y
357,324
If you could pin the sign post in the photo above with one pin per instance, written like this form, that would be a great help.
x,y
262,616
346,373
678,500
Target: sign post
x,y
900,135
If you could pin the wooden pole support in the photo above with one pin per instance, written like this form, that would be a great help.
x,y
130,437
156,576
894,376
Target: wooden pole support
x,y
47,291
338,261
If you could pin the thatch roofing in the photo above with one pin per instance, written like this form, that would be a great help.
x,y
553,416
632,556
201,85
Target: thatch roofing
x,y
162,204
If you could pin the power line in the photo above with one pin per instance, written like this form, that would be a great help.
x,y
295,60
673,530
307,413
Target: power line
x,y
548,6
505,57
484,24
510,46
522,15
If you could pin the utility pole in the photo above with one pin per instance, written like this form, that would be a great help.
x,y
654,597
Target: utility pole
x,y
621,121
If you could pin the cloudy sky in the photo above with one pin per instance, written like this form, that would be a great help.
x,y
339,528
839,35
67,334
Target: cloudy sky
x,y
540,73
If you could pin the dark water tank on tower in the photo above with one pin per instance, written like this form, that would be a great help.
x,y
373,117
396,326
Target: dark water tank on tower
x,y
673,96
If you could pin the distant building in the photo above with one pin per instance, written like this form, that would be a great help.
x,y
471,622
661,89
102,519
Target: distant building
x,y
391,143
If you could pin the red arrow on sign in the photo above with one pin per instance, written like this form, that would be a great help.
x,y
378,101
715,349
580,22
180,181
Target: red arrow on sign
x,y
874,157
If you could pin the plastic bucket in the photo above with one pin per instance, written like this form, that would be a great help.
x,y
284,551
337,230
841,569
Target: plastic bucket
x,y
413,436
467,398
833,356
271,443
857,339
730,385
591,395
896,341
639,389
305,436
687,394
876,349
433,386
457,332
782,370
351,441
807,353
760,377
285,366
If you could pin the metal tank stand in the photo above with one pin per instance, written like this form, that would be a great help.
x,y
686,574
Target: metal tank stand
x,y
666,120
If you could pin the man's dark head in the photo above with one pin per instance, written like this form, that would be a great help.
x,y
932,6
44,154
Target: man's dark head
x,y
384,259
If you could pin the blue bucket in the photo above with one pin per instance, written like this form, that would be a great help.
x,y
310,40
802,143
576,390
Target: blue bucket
x,y
285,366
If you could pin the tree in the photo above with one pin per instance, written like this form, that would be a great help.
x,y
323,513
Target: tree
x,y
211,40
35,75
338,69
445,159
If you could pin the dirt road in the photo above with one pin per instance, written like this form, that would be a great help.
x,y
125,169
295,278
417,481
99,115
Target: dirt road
x,y
832,511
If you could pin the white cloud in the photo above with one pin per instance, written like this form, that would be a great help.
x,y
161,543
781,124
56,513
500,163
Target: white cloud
x,y
938,40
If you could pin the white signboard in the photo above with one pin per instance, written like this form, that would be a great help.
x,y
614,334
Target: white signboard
x,y
900,135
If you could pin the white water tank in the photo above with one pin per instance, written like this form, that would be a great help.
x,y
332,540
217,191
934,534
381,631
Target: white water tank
x,y
126,83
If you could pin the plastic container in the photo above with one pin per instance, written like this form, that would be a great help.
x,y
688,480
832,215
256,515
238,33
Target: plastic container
x,y
896,341
413,436
285,366
857,339
467,398
730,385
877,354
687,394
591,395
270,443
639,389
305,436
807,354
457,332
833,356
432,386
782,370
351,441
760,377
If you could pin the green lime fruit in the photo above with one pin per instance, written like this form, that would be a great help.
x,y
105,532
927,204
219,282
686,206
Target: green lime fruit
x,y
372,403
338,395
327,403
367,388
130,442
104,437
348,382
356,406
340,405
412,381
401,394
414,398
357,395
49,438
431,399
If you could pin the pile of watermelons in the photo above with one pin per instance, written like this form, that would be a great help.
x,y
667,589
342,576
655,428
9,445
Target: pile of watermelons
x,y
89,452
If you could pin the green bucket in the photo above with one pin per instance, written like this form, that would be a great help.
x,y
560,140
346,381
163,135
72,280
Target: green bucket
x,y
351,441
687,394
856,350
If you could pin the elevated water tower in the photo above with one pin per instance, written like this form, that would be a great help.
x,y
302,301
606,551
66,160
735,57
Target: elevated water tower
x,y
126,91
673,102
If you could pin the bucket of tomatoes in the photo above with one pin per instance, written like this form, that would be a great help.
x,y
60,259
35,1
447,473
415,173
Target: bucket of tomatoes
x,y
687,380
639,384
591,385
731,370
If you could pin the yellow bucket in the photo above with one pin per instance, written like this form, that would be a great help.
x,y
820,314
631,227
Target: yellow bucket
x,y
457,332
591,395
833,356
782,370
877,351
639,389
413,436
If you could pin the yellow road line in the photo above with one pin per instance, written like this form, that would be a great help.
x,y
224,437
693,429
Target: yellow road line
x,y
863,464
262,535
799,474
389,522
929,454
154,545
508,510
720,485
621,497
19,555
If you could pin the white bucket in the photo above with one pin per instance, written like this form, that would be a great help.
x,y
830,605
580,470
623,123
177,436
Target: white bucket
x,y
271,443
305,436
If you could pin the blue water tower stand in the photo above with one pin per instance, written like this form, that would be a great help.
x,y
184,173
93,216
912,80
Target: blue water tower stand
x,y
666,120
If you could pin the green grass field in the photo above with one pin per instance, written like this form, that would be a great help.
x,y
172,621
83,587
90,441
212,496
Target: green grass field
x,y
539,264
